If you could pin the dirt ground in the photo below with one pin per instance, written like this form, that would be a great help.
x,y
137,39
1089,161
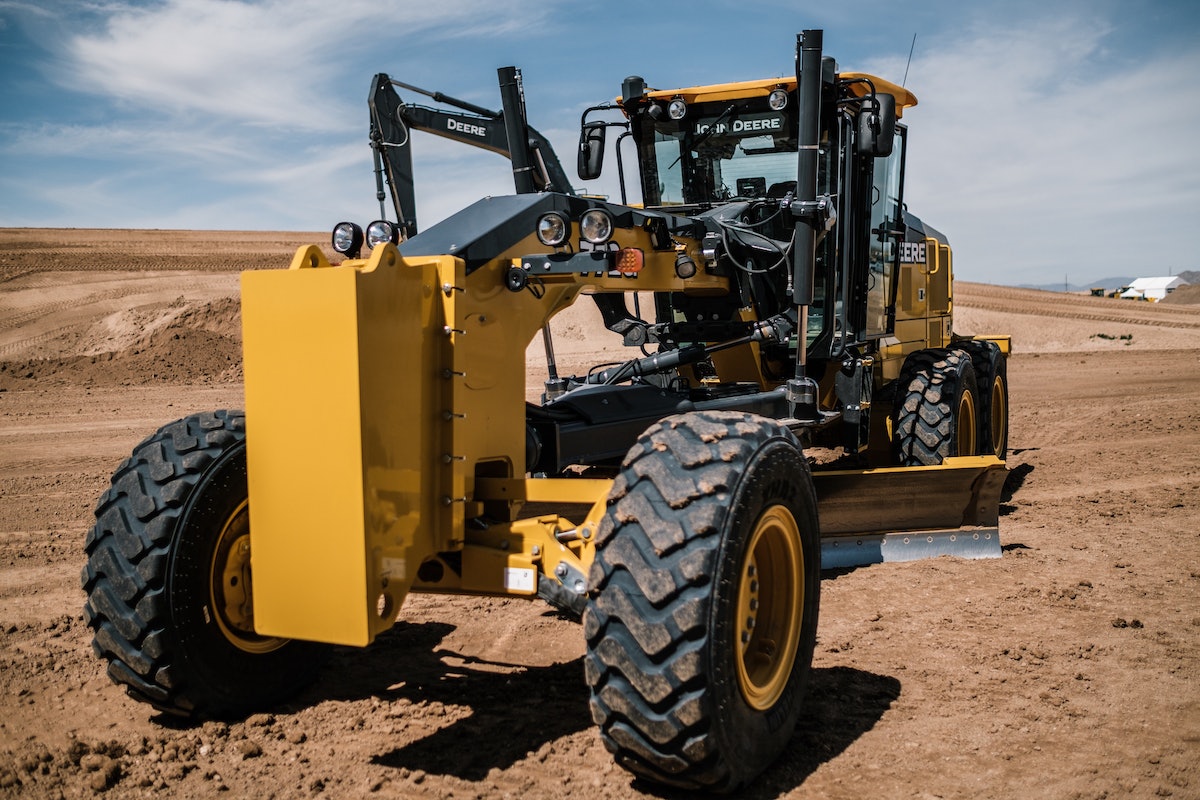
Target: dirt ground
x,y
1068,668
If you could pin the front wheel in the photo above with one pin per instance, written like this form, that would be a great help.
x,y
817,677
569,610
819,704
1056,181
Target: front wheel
x,y
703,600
168,581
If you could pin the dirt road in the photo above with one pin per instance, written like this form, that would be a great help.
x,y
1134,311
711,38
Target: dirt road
x,y
1067,669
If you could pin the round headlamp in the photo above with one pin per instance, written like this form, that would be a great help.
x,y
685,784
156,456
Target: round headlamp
x,y
596,226
777,100
677,108
552,229
380,231
347,239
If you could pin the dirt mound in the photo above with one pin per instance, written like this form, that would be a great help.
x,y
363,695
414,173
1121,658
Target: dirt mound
x,y
1055,322
1184,295
137,327
179,343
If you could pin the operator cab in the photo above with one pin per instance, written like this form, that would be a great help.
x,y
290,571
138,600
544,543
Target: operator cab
x,y
727,154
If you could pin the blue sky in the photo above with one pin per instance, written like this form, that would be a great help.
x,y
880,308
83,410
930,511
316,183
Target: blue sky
x,y
1052,139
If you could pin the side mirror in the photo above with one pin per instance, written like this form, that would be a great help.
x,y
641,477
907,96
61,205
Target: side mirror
x,y
877,125
591,150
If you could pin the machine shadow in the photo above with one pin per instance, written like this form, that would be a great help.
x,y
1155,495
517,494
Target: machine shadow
x,y
405,663
514,710
842,704
1012,484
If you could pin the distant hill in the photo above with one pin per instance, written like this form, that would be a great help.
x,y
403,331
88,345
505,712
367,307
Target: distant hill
x,y
1109,284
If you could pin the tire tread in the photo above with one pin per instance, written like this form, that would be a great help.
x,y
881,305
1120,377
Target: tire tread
x,y
650,584
127,551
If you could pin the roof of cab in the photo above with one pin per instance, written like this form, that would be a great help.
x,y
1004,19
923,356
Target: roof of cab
x,y
761,88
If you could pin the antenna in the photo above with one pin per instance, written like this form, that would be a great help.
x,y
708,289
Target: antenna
x,y
911,47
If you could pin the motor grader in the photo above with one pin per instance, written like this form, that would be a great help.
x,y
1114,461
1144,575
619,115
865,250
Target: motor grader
x,y
796,400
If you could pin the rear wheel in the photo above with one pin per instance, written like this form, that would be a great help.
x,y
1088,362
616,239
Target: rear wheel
x,y
991,373
170,596
937,413
703,602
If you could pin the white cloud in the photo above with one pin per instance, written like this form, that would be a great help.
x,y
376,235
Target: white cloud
x,y
120,140
1039,153
266,63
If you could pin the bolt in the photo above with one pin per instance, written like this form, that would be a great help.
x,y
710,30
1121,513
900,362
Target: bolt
x,y
536,551
745,637
749,623
244,548
561,570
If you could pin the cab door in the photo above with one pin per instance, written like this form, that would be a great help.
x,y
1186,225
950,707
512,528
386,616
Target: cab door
x,y
886,231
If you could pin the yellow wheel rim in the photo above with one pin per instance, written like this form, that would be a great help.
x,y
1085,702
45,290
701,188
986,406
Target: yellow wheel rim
x,y
967,433
231,598
999,415
770,608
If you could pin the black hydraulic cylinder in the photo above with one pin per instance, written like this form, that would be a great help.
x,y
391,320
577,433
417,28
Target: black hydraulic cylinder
x,y
801,389
659,362
512,99
808,67
450,101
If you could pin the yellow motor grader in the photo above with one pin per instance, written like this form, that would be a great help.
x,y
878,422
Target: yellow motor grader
x,y
796,400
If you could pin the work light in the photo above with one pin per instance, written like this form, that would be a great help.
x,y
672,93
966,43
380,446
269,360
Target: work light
x,y
552,229
596,226
347,239
380,231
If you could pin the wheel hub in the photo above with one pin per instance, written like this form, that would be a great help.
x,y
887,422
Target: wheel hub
x,y
999,415
770,608
966,435
232,598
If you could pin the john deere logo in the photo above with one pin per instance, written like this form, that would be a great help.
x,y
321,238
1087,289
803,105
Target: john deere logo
x,y
748,125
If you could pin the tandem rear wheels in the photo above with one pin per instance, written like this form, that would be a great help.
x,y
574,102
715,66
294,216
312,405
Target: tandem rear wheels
x,y
951,402
703,603
168,578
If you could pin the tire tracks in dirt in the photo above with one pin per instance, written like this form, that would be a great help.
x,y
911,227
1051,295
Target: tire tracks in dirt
x,y
1038,303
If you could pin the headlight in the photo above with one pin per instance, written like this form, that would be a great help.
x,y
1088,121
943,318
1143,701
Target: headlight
x,y
777,100
347,239
596,226
380,231
552,229
677,108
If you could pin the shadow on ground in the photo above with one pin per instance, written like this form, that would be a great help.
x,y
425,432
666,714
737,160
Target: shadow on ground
x,y
516,710
842,704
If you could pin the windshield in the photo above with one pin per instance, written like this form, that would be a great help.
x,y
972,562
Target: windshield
x,y
718,152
